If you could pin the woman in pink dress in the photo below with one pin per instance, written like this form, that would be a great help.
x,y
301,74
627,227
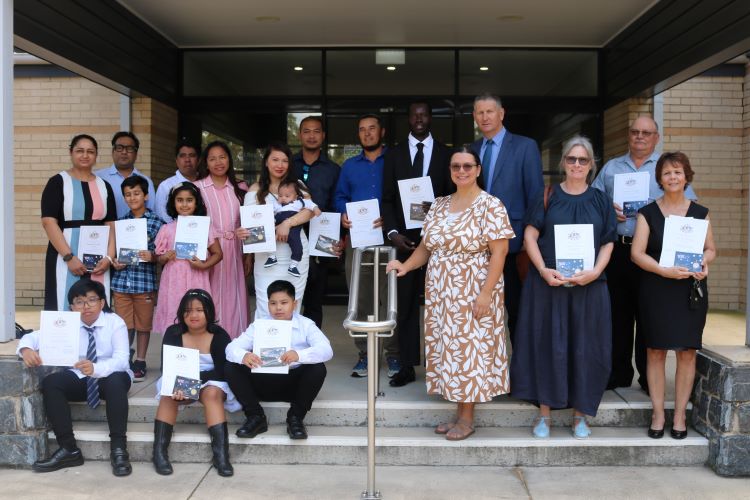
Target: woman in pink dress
x,y
223,195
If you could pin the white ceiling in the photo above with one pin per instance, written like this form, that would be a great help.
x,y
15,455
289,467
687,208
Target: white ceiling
x,y
403,23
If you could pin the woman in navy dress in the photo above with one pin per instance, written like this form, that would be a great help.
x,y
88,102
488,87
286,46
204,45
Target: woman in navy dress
x,y
562,351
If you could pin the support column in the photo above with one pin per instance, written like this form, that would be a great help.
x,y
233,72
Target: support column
x,y
7,233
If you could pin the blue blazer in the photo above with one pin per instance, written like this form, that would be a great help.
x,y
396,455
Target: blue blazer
x,y
517,179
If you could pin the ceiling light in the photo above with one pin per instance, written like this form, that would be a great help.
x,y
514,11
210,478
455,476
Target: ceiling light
x,y
268,19
391,68
484,68
298,68
509,19
390,56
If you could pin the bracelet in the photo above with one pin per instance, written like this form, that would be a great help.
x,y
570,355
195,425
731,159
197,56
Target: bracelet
x,y
109,259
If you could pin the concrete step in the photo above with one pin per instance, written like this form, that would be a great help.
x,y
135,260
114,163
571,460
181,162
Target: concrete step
x,y
505,412
626,446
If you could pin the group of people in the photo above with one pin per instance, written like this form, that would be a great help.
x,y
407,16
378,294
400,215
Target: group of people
x,y
484,259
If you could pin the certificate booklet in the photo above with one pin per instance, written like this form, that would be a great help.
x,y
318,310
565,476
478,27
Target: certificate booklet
x,y
59,338
362,215
191,237
190,387
686,236
272,338
178,361
92,245
631,191
130,238
414,192
258,219
325,231
574,248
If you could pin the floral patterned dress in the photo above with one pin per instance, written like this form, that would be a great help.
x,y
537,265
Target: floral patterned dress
x,y
466,360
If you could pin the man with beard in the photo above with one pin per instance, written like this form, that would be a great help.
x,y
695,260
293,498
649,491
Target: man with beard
x,y
320,174
362,179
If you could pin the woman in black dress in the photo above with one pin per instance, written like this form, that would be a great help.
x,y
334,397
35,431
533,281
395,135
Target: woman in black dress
x,y
670,319
562,349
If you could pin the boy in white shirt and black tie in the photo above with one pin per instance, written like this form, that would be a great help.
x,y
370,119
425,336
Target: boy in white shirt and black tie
x,y
309,351
102,373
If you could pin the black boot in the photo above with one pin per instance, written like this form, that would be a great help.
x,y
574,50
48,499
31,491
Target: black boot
x,y
220,448
160,457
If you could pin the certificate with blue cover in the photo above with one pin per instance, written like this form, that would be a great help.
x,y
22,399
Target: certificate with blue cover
x,y
692,261
568,267
630,208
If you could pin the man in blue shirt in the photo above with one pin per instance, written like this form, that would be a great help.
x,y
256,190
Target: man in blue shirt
x,y
124,153
622,274
361,179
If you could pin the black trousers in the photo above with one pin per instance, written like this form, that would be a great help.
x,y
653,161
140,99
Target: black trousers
x,y
409,287
623,278
294,239
512,293
59,388
315,290
300,387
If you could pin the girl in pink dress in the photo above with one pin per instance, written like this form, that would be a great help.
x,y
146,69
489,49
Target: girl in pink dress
x,y
180,275
223,195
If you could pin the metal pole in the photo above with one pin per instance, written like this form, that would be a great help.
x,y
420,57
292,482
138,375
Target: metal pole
x,y
7,221
376,315
372,359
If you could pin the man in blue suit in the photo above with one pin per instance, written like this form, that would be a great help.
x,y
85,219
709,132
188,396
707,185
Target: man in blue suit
x,y
512,169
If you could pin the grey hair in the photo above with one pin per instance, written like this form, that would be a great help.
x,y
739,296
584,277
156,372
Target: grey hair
x,y
656,125
585,143
487,96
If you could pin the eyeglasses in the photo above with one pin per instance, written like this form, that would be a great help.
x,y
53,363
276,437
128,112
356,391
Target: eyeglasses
x,y
644,133
466,167
582,160
88,301
121,147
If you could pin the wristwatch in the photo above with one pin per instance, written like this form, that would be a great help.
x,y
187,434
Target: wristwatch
x,y
67,258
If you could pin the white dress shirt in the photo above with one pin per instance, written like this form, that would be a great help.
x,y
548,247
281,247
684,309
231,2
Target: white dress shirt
x,y
426,151
112,345
162,195
311,344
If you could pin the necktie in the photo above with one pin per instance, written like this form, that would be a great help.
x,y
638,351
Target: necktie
x,y
487,164
92,384
418,160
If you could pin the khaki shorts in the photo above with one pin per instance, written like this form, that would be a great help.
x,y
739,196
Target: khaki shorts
x,y
136,309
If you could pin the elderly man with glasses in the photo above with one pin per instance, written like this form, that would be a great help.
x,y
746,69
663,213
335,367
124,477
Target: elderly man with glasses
x,y
622,274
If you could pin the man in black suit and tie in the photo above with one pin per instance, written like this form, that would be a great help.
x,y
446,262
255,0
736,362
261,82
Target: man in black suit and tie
x,y
419,156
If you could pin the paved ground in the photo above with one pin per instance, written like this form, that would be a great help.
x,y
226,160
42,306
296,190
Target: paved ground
x,y
194,482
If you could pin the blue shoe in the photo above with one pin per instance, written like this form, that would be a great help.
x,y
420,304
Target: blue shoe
x,y
271,261
394,366
581,429
541,429
360,369
294,271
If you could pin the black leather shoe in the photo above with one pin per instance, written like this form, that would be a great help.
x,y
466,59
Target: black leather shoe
x,y
120,460
59,460
295,428
254,425
404,376
655,434
678,434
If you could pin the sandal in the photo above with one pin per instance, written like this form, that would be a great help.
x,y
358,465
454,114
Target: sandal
x,y
456,434
445,427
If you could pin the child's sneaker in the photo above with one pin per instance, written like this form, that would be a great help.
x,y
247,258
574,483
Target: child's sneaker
x,y
270,262
139,371
294,271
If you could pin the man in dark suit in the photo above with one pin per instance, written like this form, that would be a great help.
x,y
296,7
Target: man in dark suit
x,y
419,156
512,169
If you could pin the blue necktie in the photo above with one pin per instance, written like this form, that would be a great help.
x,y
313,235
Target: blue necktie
x,y
487,165
92,384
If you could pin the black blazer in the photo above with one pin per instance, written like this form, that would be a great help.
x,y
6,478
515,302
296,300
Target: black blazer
x,y
397,166
173,336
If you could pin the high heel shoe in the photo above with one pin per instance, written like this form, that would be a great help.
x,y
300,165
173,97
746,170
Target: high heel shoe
x,y
655,433
678,434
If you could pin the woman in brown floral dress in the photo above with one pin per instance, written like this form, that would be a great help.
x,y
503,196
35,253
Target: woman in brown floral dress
x,y
464,246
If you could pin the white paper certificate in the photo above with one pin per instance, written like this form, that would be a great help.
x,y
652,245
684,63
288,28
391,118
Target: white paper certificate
x,y
130,238
191,237
362,215
684,239
92,245
272,338
59,338
258,219
631,191
413,193
178,361
325,232
574,248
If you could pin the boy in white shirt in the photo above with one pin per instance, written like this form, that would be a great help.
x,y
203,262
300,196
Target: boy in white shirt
x,y
309,351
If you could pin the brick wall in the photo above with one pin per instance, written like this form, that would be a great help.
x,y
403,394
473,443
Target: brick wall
x,y
155,124
617,120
